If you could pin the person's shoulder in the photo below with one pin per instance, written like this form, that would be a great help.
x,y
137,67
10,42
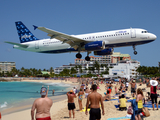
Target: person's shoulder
x,y
98,94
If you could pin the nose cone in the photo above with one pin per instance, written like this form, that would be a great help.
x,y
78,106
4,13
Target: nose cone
x,y
154,37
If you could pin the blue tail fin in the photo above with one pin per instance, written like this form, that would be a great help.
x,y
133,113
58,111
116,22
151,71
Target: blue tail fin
x,y
24,34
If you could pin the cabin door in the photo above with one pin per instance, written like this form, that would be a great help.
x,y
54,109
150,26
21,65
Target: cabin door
x,y
133,33
36,45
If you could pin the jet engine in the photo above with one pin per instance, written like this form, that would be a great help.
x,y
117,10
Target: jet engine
x,y
104,52
97,45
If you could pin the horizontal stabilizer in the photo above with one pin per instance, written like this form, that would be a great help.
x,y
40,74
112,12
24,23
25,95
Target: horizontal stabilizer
x,y
20,45
35,27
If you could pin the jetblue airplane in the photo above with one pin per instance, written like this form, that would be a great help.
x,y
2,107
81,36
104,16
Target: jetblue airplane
x,y
102,43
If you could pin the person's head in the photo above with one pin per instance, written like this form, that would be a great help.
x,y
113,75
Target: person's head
x,y
80,89
94,87
123,96
71,92
43,91
139,91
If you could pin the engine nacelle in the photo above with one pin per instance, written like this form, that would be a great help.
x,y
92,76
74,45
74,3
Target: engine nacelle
x,y
97,45
104,52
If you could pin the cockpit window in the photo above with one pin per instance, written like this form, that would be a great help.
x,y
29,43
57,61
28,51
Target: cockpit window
x,y
144,31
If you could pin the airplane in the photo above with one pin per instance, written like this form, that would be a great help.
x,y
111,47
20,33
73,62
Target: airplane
x,y
102,43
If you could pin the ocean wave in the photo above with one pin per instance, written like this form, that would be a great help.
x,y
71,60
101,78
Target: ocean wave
x,y
58,84
3,105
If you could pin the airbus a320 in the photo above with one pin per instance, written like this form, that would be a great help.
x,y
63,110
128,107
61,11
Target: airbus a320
x,y
102,43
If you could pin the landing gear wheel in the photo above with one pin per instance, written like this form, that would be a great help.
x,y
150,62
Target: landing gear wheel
x,y
87,58
78,55
135,52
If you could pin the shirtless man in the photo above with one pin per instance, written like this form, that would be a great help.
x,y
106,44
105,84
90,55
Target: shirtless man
x,y
71,105
42,106
133,87
94,98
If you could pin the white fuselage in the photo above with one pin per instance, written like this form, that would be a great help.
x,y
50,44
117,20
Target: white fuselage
x,y
116,38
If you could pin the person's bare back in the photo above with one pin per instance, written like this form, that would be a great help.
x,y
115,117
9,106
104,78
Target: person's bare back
x,y
71,105
42,106
71,97
95,99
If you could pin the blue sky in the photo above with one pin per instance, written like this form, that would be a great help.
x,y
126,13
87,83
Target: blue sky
x,y
77,17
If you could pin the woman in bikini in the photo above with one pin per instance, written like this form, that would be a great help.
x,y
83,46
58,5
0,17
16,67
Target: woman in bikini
x,y
80,97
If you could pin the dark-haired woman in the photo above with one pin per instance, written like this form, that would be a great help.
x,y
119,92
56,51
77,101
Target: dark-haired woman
x,y
153,91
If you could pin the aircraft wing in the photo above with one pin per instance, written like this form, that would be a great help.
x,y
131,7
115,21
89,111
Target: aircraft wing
x,y
20,45
71,40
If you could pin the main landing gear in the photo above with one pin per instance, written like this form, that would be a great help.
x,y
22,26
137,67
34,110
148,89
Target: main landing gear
x,y
87,58
78,55
135,52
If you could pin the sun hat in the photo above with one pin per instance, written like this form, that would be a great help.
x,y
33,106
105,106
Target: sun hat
x,y
153,82
71,91
43,91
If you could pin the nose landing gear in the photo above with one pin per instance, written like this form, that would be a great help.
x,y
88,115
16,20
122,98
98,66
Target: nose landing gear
x,y
135,52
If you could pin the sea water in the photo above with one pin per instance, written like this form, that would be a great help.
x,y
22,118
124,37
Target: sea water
x,y
12,93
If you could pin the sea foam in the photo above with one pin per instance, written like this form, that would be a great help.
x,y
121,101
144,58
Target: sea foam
x,y
3,105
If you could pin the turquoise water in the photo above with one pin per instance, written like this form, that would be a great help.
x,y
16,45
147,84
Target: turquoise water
x,y
13,92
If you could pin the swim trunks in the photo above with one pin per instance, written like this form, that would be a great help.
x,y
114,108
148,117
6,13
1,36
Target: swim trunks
x,y
71,106
46,118
95,113
133,90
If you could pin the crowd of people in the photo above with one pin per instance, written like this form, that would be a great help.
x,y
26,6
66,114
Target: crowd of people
x,y
88,90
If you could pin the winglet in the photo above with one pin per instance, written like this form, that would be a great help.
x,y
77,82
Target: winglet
x,y
35,27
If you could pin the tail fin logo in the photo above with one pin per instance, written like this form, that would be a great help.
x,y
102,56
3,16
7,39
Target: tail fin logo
x,y
25,36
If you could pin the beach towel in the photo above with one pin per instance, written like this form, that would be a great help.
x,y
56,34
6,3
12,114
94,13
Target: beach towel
x,y
150,105
117,106
84,109
111,99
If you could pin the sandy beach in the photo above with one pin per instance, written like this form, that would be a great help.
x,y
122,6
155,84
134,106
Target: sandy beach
x,y
59,110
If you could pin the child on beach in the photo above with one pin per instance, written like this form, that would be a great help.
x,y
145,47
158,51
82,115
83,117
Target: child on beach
x,y
122,101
